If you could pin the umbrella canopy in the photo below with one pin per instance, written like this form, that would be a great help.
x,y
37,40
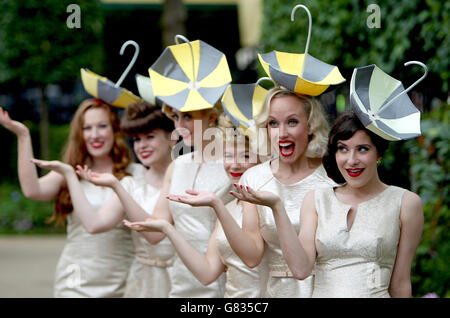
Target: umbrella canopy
x,y
144,85
381,103
104,89
242,102
300,73
190,76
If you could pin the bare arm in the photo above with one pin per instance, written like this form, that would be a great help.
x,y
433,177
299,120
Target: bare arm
x,y
40,189
411,218
249,246
161,211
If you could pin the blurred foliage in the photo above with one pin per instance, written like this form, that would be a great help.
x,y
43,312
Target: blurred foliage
x,y
38,48
19,214
410,30
430,179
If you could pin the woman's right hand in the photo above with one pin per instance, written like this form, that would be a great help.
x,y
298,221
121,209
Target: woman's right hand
x,y
149,225
196,198
99,179
55,165
15,126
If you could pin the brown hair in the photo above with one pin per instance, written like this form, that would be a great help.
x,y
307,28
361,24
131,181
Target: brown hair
x,y
344,127
75,153
142,117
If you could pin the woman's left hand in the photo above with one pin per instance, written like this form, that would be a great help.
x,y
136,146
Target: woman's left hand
x,y
247,194
55,165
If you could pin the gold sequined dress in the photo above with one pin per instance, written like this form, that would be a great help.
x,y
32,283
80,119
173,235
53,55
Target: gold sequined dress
x,y
148,276
241,281
95,265
196,224
356,262
281,283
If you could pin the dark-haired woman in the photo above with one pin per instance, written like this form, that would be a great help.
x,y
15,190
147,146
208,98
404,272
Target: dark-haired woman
x,y
151,131
360,237
89,266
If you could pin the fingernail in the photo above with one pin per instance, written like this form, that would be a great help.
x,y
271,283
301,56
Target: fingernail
x,y
241,186
247,188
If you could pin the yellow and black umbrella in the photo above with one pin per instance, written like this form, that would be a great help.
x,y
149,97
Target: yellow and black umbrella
x,y
300,73
190,76
104,89
242,102
382,103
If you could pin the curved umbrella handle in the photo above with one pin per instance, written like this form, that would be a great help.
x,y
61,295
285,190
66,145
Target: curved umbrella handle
x,y
133,60
310,23
309,32
177,38
412,85
264,79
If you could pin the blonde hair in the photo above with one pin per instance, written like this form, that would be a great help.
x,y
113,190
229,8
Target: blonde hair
x,y
318,125
217,109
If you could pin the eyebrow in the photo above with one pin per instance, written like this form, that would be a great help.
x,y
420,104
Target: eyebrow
x,y
360,145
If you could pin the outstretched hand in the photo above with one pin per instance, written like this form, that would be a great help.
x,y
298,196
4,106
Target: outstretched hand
x,y
196,198
99,179
15,126
149,225
55,165
247,194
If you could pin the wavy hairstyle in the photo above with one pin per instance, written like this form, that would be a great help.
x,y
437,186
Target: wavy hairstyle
x,y
142,117
318,125
75,153
344,127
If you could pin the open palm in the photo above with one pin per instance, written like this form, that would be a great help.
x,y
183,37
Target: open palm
x,y
55,165
196,198
149,225
256,197
15,126
99,179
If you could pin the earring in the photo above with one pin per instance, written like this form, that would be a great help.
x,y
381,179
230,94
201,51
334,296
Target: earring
x,y
378,162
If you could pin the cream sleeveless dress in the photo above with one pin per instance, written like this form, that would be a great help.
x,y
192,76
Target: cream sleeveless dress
x,y
356,262
241,281
148,277
281,283
196,224
95,265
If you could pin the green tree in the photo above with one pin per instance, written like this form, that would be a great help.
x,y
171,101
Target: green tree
x,y
41,45
409,30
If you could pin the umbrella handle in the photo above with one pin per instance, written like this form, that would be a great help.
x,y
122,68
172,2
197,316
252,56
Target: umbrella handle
x,y
179,36
410,87
264,79
133,60
309,32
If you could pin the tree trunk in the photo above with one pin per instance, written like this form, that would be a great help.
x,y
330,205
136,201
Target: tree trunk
x,y
173,21
43,126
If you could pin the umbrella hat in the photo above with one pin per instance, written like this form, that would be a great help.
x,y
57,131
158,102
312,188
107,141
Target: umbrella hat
x,y
104,89
382,104
144,85
300,73
190,76
242,102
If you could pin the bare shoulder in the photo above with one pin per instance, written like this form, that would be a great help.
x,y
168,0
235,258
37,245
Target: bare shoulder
x,y
411,206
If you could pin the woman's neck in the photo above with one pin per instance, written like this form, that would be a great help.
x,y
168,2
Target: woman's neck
x,y
289,173
102,164
369,190
155,173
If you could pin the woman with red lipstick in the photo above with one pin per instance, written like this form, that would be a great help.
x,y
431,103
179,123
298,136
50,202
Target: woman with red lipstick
x,y
241,281
90,265
198,172
297,132
360,237
151,131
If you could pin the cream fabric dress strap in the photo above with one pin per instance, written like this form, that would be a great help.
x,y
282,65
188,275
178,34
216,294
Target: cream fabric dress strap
x,y
196,224
356,262
148,277
94,265
241,281
281,283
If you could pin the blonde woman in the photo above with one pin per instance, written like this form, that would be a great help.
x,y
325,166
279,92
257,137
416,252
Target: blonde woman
x,y
297,134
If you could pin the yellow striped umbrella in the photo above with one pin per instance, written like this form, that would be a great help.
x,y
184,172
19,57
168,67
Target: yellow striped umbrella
x,y
300,73
104,89
382,103
190,76
242,102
